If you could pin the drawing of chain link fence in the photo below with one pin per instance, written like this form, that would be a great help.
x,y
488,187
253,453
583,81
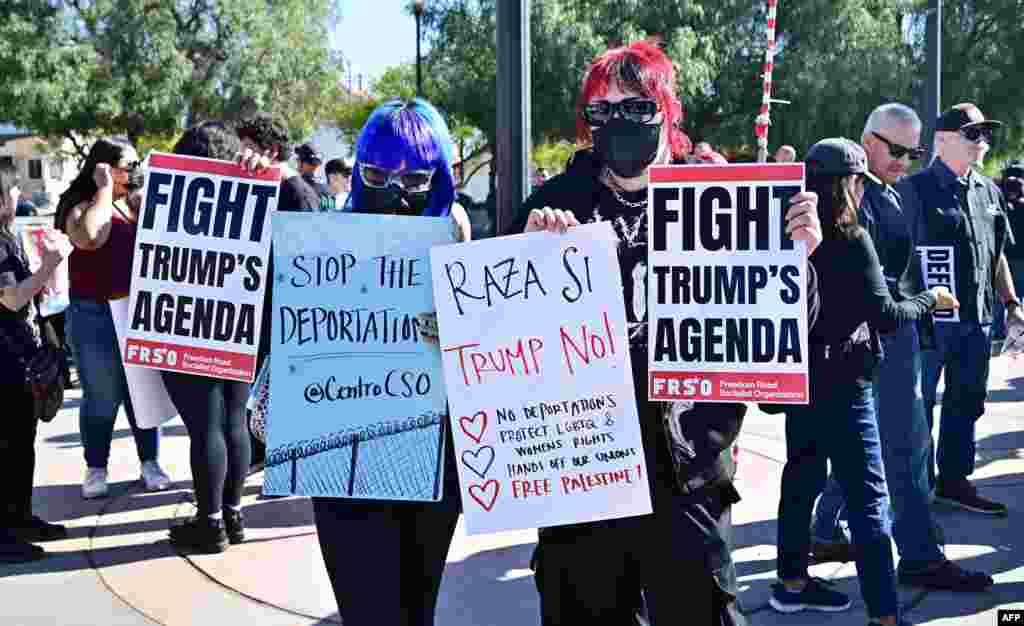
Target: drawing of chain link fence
x,y
394,460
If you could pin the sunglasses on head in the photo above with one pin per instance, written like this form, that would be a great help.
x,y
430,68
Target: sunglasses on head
x,y
639,110
977,133
898,151
412,181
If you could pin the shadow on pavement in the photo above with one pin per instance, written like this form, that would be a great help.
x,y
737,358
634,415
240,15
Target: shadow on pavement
x,y
75,439
493,587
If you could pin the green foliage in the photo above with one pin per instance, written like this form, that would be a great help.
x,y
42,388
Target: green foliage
x,y
142,67
552,156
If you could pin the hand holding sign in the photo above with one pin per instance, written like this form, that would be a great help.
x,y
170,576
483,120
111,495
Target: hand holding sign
x,y
55,248
551,220
802,222
944,299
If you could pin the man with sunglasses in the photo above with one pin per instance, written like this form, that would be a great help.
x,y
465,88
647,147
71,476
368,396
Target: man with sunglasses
x,y
891,139
950,204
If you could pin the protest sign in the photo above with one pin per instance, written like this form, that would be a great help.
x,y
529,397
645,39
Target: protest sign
x,y
199,269
358,398
727,301
938,263
151,404
55,296
536,364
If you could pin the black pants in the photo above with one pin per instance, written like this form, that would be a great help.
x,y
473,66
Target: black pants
x,y
214,414
385,559
17,453
678,557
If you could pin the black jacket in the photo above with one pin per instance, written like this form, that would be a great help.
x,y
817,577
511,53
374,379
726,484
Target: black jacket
x,y
699,439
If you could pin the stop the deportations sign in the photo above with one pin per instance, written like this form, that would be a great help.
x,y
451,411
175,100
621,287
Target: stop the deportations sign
x,y
199,270
726,285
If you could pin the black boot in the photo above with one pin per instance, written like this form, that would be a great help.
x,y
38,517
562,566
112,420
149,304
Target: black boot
x,y
37,529
200,534
234,525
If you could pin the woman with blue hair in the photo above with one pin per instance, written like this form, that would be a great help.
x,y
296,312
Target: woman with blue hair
x,y
385,558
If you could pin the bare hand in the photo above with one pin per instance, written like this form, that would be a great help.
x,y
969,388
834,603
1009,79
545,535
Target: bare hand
x,y
253,161
802,223
102,177
56,248
1014,332
944,300
429,331
551,220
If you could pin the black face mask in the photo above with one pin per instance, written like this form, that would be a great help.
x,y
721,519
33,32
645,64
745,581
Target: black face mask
x,y
136,179
626,147
392,201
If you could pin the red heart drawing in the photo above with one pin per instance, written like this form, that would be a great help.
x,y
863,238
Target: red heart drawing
x,y
472,421
487,499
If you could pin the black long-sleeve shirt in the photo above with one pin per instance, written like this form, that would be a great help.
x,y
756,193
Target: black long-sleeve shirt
x,y
853,291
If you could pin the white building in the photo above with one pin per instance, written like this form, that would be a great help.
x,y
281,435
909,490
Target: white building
x,y
43,174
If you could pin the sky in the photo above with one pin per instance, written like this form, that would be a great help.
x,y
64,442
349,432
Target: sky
x,y
374,35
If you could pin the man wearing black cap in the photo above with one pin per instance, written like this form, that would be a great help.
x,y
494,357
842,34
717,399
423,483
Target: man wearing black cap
x,y
962,214
309,163
1012,185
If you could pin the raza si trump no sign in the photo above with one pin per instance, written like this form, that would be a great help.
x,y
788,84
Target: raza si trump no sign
x,y
199,267
726,285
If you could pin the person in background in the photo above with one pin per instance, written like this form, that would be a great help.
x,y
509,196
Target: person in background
x,y
264,144
1011,183
18,286
309,164
403,167
101,224
339,181
952,205
213,410
785,154
839,425
679,557
891,139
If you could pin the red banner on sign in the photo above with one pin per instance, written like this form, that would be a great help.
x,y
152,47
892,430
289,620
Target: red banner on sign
x,y
770,387
190,360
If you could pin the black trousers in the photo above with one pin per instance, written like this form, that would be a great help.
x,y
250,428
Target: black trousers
x,y
678,557
385,559
214,414
17,452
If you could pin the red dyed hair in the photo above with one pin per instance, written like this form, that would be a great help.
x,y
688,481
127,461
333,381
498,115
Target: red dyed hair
x,y
643,68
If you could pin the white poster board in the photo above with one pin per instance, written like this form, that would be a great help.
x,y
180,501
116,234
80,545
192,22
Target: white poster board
x,y
199,267
536,364
358,402
726,286
146,387
938,264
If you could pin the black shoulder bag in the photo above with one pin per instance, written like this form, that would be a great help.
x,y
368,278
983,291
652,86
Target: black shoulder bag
x,y
41,361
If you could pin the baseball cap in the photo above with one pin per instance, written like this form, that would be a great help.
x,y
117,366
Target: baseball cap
x,y
308,154
962,116
838,156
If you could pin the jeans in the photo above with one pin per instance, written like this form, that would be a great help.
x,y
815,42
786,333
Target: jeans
x,y
906,442
962,349
839,425
93,341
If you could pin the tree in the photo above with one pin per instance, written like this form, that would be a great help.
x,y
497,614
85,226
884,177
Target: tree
x,y
138,66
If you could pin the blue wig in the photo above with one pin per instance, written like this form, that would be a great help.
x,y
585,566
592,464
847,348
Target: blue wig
x,y
413,133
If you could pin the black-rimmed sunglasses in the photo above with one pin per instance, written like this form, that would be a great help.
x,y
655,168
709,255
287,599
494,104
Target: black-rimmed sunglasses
x,y
898,151
976,133
639,110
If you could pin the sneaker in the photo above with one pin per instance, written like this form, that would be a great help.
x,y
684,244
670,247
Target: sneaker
x,y
154,477
947,576
36,529
234,525
95,483
815,596
200,534
962,494
833,551
16,551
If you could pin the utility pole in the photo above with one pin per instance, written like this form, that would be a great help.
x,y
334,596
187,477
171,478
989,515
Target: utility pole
x,y
513,133
933,77
417,9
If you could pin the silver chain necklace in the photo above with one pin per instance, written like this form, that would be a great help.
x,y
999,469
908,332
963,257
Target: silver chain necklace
x,y
633,205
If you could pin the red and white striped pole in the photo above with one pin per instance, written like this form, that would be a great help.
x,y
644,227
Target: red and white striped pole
x,y
764,120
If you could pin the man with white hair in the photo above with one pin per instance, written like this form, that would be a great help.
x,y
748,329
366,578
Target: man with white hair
x,y
891,139
785,154
963,214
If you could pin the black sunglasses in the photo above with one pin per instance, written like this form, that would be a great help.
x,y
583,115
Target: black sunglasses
x,y
639,110
975,133
898,151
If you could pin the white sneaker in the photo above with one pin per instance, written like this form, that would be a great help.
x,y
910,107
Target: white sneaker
x,y
95,483
154,476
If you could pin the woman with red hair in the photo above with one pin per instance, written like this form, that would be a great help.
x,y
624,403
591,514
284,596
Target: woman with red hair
x,y
678,558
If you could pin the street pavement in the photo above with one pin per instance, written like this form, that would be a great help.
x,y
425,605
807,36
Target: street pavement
x,y
118,569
